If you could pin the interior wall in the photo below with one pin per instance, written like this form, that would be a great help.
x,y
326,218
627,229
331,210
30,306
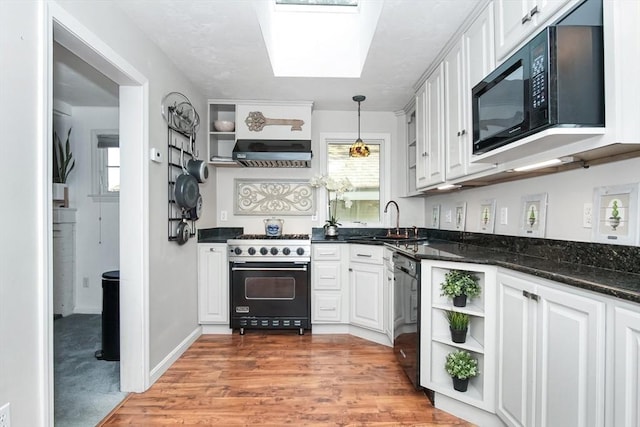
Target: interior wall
x,y
98,222
567,194
172,268
23,269
323,121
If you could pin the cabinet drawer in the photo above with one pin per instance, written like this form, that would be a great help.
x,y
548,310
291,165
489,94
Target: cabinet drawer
x,y
327,308
326,275
322,252
366,253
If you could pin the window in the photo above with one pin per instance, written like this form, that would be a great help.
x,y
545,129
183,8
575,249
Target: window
x,y
361,205
106,164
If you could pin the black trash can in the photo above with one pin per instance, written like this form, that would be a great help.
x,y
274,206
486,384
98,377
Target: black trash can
x,y
110,317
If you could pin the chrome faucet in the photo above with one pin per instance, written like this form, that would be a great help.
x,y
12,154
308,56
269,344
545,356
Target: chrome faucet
x,y
397,216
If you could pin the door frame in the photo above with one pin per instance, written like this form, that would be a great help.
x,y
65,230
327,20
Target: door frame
x,y
134,196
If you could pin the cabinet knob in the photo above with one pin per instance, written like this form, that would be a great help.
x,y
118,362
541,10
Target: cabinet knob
x,y
526,18
534,11
459,133
462,132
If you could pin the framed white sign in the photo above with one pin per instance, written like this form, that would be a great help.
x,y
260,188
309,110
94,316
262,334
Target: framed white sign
x,y
282,197
487,215
533,216
615,214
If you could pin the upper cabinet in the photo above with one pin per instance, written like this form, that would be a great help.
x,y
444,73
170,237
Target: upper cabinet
x,y
430,131
517,19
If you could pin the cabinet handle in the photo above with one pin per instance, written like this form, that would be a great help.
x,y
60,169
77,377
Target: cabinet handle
x,y
526,294
534,11
327,309
213,250
364,255
326,253
351,269
526,18
459,133
327,277
534,297
530,295
463,132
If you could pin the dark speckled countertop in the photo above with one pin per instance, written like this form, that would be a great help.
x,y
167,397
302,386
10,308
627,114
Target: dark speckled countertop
x,y
607,269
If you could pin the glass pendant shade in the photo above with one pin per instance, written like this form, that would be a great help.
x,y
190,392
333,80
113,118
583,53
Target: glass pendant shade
x,y
359,148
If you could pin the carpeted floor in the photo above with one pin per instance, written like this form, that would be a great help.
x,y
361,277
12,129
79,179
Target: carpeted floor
x,y
85,389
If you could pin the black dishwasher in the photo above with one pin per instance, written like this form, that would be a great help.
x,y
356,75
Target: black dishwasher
x,y
406,315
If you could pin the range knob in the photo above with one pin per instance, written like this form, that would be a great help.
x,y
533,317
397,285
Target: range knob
x,y
252,251
300,251
286,251
237,251
264,251
274,251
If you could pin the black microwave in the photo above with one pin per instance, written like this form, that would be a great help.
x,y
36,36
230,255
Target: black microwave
x,y
556,79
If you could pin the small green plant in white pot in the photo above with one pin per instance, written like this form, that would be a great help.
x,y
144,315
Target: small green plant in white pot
x,y
63,164
458,325
462,366
460,285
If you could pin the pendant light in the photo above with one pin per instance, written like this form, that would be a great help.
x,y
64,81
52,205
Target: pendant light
x,y
359,148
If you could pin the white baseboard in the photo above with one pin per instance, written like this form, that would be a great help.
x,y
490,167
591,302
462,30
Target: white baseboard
x,y
216,329
174,355
467,412
376,337
88,309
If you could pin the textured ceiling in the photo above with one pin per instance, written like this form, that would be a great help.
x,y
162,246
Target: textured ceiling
x,y
219,46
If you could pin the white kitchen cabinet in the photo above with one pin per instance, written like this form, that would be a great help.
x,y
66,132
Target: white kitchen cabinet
x,y
430,112
435,337
551,355
213,283
626,387
456,127
388,294
328,297
366,279
410,188
518,19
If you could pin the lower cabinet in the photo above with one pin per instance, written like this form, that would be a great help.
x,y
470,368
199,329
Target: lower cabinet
x,y
366,278
626,376
213,283
387,292
551,354
329,293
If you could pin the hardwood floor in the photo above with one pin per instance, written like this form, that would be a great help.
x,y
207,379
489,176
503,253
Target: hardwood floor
x,y
281,378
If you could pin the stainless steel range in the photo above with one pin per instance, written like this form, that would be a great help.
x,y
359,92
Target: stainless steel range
x,y
270,282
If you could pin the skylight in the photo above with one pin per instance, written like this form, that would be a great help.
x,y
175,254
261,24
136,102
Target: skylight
x,y
318,38
319,2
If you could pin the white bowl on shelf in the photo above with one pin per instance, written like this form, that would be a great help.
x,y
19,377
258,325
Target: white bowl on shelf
x,y
224,126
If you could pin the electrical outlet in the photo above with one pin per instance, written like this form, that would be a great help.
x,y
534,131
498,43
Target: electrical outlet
x,y
314,217
5,415
85,282
504,216
223,215
586,215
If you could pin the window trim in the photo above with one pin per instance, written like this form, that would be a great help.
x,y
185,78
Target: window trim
x,y
98,167
384,139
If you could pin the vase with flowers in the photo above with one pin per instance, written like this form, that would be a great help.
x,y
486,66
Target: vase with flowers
x,y
335,192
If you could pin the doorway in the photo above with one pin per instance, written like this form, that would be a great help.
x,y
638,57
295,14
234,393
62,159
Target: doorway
x,y
133,209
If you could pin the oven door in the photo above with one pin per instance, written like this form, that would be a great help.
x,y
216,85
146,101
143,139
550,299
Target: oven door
x,y
270,291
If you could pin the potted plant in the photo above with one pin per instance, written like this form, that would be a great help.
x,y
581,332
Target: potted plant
x,y
63,164
460,285
338,187
458,325
461,366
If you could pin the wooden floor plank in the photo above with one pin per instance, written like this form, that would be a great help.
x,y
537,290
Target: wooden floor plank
x,y
279,379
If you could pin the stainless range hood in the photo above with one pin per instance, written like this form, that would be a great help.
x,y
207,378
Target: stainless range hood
x,y
266,153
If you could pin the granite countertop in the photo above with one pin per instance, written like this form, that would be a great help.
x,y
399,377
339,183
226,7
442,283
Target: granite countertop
x,y
617,283
218,234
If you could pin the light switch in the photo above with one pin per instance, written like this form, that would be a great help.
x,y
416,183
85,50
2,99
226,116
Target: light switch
x,y
586,215
504,213
447,216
